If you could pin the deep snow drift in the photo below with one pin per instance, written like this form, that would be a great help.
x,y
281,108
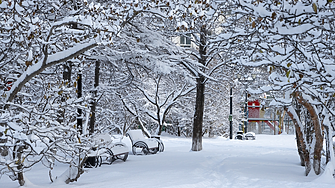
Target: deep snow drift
x,y
268,161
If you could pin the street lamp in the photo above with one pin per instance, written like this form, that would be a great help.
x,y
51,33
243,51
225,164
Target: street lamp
x,y
231,114
246,80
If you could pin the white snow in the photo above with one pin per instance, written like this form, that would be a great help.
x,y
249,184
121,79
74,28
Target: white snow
x,y
268,161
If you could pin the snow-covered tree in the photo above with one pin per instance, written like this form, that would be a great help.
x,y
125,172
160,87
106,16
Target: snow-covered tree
x,y
199,22
40,127
295,40
35,37
161,93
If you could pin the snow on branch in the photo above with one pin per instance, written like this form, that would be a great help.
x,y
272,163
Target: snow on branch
x,y
44,63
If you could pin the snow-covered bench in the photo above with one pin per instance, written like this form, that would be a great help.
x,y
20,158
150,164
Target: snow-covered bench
x,y
142,145
106,151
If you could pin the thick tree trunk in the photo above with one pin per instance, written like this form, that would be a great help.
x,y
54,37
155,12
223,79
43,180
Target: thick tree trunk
x,y
304,155
198,115
200,98
317,131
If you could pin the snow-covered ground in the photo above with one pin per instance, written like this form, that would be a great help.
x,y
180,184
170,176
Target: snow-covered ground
x,y
268,161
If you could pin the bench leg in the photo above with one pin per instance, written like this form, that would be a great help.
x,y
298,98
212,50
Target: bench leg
x,y
142,146
124,157
153,151
91,162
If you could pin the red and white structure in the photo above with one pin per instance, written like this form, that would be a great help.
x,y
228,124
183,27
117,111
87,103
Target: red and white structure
x,y
255,114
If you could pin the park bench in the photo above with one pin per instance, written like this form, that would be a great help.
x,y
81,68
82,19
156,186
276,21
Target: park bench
x,y
142,145
105,151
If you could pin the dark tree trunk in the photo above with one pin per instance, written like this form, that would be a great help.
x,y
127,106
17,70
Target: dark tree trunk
x,y
67,71
79,110
179,134
94,100
328,144
200,98
21,178
160,126
198,115
160,130
92,121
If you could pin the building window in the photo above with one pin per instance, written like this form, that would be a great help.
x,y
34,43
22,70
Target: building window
x,y
185,41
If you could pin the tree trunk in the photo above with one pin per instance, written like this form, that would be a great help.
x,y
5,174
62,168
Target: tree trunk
x,y
20,178
94,100
80,170
18,154
179,134
304,155
300,151
318,133
144,130
299,146
79,110
160,126
160,129
198,115
328,144
67,70
200,98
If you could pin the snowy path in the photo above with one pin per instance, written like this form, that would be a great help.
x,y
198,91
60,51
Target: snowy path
x,y
268,161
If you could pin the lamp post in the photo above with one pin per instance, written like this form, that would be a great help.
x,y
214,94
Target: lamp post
x,y
231,114
246,80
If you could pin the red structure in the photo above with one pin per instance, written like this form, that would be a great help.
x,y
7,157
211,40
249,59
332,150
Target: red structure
x,y
254,108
